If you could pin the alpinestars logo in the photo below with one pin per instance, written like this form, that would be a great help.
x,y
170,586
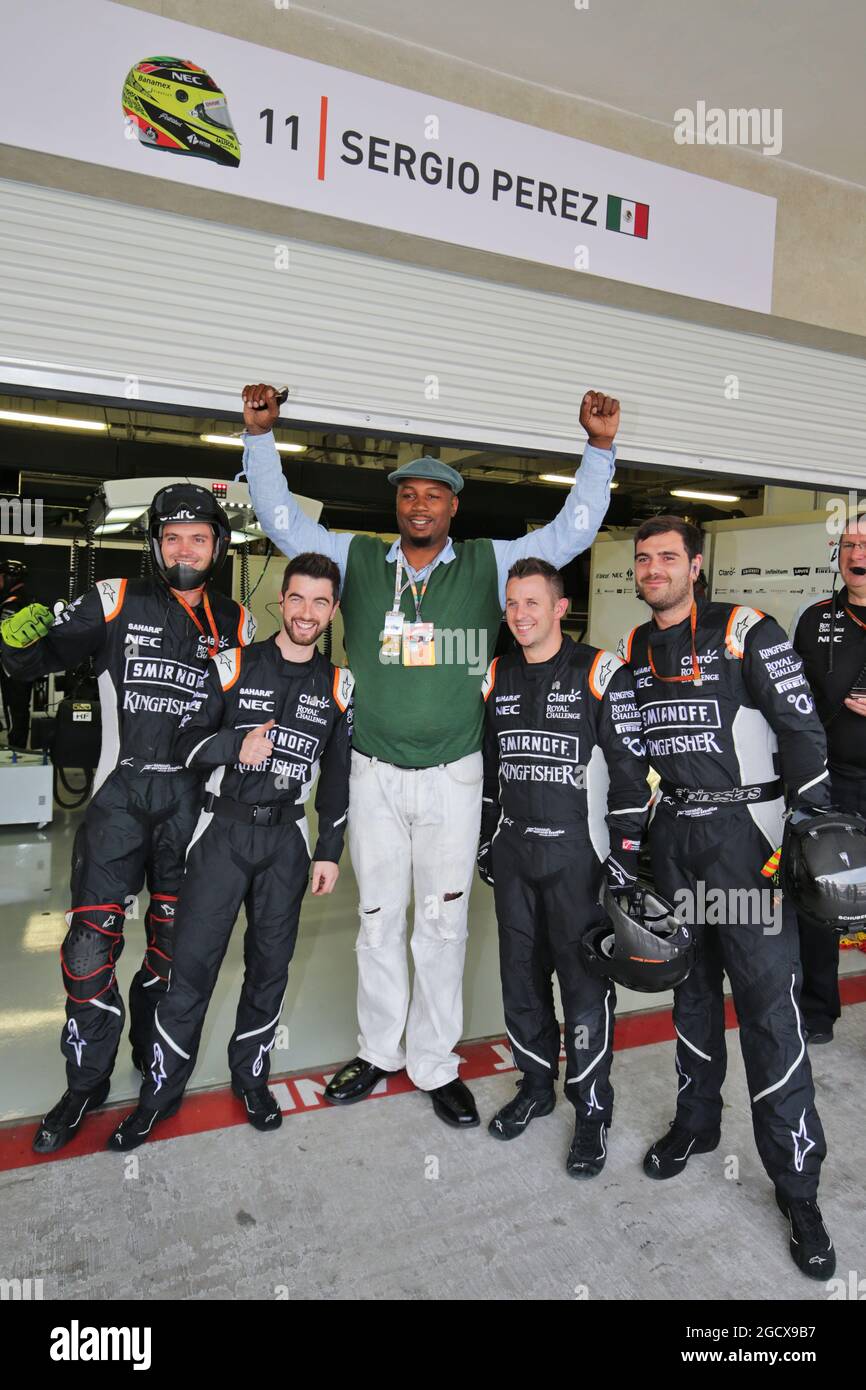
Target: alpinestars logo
x,y
264,1049
75,1040
685,1079
157,1069
603,671
592,1100
802,1144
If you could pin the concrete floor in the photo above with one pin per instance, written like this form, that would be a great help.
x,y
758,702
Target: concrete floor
x,y
383,1201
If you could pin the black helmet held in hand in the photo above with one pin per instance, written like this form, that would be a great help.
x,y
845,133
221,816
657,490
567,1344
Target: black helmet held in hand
x,y
642,945
186,503
824,866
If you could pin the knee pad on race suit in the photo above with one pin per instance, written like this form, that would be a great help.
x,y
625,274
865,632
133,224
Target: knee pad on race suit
x,y
90,950
159,928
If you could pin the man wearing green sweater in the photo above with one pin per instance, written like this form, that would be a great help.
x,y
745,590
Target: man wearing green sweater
x,y
421,618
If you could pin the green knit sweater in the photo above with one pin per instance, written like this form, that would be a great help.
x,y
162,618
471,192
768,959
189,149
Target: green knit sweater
x,y
419,716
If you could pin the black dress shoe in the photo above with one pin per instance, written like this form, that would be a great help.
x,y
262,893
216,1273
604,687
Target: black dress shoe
x,y
818,1035
455,1105
354,1081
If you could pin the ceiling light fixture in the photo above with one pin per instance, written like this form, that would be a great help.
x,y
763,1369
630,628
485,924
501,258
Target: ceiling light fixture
x,y
234,441
61,422
704,496
566,479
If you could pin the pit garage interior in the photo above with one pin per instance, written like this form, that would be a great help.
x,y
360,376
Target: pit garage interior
x,y
134,309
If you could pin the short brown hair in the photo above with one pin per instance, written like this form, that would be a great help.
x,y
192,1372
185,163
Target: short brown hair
x,y
315,566
522,569
657,525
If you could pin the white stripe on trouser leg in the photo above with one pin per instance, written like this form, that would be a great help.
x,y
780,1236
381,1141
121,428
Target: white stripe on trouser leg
x,y
794,1065
572,1080
255,1031
695,1050
526,1052
172,1044
109,1008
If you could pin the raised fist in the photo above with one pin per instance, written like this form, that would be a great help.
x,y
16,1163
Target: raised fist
x,y
261,408
599,415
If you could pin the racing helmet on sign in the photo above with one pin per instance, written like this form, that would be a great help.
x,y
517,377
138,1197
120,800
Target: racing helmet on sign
x,y
176,106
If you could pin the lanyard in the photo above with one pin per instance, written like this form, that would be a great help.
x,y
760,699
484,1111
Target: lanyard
x,y
213,642
696,669
398,588
853,618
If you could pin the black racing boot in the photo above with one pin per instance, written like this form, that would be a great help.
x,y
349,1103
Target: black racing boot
x,y
669,1156
61,1124
138,1126
262,1107
810,1245
588,1149
527,1105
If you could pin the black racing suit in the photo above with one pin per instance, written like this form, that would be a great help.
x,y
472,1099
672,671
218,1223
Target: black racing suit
x,y
846,756
16,693
250,849
149,656
555,732
721,747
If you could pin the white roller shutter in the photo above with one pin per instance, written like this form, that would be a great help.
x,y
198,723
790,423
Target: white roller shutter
x,y
95,293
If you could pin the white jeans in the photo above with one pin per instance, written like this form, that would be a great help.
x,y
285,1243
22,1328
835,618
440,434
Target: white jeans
x,y
413,829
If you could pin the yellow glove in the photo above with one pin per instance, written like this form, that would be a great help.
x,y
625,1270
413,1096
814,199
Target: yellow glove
x,y
26,627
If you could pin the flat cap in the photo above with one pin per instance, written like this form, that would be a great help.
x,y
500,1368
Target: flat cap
x,y
433,469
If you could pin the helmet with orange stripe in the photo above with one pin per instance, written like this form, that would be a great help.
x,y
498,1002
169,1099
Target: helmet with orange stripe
x,y
642,945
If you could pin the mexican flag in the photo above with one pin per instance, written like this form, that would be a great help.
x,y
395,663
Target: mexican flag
x,y
625,216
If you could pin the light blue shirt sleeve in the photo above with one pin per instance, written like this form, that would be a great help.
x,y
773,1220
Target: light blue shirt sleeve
x,y
279,514
575,526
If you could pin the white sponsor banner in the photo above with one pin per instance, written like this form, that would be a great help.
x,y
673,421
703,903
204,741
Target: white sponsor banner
x,y
777,569
614,608
303,135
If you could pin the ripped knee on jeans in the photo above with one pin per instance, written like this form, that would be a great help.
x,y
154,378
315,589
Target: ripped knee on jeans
x,y
370,934
447,915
